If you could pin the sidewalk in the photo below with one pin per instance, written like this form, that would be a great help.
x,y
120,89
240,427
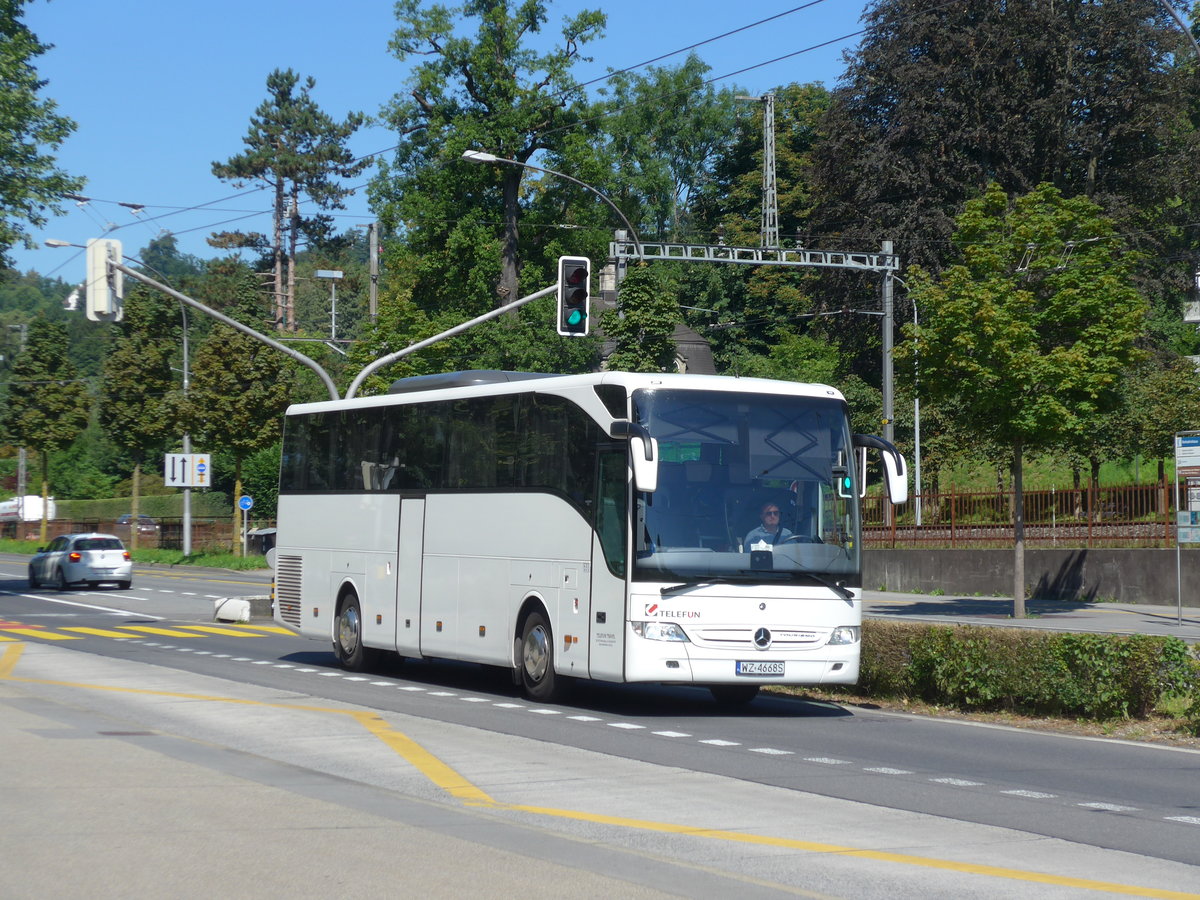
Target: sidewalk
x,y
1051,615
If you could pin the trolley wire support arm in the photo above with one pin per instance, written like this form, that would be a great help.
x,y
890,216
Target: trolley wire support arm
x,y
451,332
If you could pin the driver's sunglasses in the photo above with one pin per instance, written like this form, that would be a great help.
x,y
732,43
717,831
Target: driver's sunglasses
x,y
771,512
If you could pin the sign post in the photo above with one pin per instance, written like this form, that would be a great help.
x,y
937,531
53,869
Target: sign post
x,y
245,502
1187,521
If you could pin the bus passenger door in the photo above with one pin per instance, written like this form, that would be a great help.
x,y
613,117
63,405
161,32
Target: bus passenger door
x,y
408,576
610,547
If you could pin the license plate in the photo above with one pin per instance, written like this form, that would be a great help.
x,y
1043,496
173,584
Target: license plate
x,y
756,667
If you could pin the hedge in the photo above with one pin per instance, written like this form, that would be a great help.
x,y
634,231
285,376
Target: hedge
x,y
970,667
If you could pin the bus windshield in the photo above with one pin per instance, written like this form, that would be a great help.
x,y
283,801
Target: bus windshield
x,y
751,487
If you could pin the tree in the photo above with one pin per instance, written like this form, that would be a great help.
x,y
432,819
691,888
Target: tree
x,y
47,404
239,387
296,150
642,324
490,91
31,184
1029,335
139,400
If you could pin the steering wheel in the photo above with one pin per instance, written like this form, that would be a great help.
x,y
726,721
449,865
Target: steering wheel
x,y
801,539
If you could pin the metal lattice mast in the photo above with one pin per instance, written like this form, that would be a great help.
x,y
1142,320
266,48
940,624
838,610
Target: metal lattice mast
x,y
770,210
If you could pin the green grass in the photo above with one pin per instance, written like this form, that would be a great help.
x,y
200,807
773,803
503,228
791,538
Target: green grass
x,y
163,557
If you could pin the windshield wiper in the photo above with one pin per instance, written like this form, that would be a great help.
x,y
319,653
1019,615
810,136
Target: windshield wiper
x,y
838,589
687,586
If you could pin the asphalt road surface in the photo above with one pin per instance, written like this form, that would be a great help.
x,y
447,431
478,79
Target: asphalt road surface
x,y
161,752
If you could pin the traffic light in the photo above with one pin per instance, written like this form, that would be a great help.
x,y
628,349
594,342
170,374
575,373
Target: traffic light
x,y
105,286
574,289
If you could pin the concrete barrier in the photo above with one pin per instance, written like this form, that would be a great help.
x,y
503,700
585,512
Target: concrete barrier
x,y
1078,574
242,609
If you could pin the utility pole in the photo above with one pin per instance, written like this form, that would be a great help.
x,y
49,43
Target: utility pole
x,y
769,229
886,250
373,258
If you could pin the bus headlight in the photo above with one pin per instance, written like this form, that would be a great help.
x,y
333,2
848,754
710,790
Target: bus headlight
x,y
845,634
659,631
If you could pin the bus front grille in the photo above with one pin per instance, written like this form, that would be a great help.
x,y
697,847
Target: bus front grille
x,y
743,638
288,570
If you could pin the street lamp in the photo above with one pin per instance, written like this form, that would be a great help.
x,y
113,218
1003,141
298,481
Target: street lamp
x,y
480,156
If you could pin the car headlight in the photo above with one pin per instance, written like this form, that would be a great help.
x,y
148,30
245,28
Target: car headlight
x,y
659,631
845,634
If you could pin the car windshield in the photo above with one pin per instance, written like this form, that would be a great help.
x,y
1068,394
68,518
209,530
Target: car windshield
x,y
755,487
99,544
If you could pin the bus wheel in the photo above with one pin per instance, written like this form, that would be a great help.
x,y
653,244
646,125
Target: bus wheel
x,y
537,661
347,635
734,694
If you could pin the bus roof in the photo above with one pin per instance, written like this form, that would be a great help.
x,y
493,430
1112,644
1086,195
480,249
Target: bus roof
x,y
488,382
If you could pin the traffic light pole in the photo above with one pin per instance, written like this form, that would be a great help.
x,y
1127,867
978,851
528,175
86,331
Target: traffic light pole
x,y
457,329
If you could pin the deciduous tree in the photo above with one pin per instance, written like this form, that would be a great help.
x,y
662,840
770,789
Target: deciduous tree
x,y
1030,333
47,404
31,184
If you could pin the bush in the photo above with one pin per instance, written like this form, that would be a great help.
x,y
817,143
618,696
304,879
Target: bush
x,y
978,668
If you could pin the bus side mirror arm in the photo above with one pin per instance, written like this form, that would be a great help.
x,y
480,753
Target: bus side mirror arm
x,y
894,468
643,453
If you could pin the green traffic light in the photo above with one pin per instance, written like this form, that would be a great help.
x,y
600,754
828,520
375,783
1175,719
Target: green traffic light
x,y
574,317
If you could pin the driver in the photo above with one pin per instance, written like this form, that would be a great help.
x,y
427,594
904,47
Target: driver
x,y
770,531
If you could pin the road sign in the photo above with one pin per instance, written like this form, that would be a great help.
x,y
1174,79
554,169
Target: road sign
x,y
1187,454
187,470
245,501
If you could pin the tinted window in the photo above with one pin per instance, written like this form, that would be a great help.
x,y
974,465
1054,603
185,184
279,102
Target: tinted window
x,y
511,442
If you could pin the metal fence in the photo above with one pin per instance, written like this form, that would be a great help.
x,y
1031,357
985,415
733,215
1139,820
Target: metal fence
x,y
1140,515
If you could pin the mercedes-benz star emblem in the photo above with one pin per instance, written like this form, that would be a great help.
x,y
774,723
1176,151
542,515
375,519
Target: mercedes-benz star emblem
x,y
762,638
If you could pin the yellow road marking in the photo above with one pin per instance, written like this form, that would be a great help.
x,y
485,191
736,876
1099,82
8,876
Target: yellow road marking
x,y
3,638
213,629
166,632
99,632
41,633
461,788
269,629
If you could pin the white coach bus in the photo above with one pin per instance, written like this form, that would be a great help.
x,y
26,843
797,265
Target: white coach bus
x,y
582,526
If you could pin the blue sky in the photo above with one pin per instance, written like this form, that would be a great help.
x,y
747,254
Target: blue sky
x,y
160,90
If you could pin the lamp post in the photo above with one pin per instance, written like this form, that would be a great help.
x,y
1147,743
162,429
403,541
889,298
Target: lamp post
x,y
481,156
332,276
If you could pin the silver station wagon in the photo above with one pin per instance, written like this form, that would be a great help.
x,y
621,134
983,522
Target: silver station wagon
x,y
90,559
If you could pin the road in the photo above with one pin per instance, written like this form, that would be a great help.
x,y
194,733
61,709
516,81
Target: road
x,y
642,790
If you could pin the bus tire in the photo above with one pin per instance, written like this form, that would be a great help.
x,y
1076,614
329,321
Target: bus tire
x,y
538,677
348,636
733,694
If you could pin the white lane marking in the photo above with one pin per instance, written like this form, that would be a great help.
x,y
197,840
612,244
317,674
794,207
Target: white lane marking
x,y
825,760
884,770
716,742
476,700
306,670
105,609
957,782
384,683
182,649
1187,820
546,712
331,674
264,662
510,706
628,726
241,659
771,751
1108,807
442,694
411,687
1032,795
671,734
576,718
355,678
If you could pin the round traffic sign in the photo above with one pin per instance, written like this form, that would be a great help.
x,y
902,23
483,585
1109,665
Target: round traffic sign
x,y
245,501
